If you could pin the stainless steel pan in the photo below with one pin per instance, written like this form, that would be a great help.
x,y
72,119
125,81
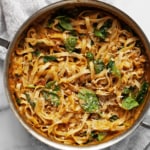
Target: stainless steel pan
x,y
142,120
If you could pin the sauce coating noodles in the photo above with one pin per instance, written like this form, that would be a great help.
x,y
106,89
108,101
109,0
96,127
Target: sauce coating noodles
x,y
79,79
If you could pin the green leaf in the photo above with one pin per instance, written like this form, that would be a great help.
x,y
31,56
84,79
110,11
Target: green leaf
x,y
126,91
53,85
64,22
49,58
52,97
116,71
90,55
98,66
70,43
56,88
113,68
29,100
32,104
102,32
101,136
88,100
50,84
36,53
129,103
18,101
45,94
110,64
142,93
59,27
113,118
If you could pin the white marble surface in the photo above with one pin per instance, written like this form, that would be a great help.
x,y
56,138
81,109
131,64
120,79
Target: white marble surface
x,y
14,137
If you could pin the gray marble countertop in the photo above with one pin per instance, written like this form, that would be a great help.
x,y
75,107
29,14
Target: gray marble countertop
x,y
14,137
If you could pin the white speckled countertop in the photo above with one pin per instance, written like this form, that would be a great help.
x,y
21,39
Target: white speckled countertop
x,y
12,135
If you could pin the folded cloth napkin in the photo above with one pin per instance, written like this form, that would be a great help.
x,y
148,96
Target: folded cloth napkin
x,y
12,14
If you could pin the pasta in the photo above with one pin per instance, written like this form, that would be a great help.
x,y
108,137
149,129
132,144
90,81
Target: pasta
x,y
78,78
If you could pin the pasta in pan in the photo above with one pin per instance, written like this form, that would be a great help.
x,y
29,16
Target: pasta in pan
x,y
78,78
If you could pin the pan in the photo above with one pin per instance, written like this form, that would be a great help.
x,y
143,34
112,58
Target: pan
x,y
142,119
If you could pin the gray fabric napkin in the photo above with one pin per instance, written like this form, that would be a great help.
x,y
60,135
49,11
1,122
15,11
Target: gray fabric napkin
x,y
12,14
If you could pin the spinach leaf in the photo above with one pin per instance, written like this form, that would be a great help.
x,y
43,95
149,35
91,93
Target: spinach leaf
x,y
49,58
52,94
36,53
129,103
70,43
56,88
52,97
88,100
128,91
59,28
101,136
90,55
98,66
64,22
102,32
45,94
113,118
18,101
110,64
50,84
113,68
29,100
142,92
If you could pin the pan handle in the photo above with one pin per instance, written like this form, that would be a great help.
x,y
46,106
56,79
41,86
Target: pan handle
x,y
4,43
146,122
